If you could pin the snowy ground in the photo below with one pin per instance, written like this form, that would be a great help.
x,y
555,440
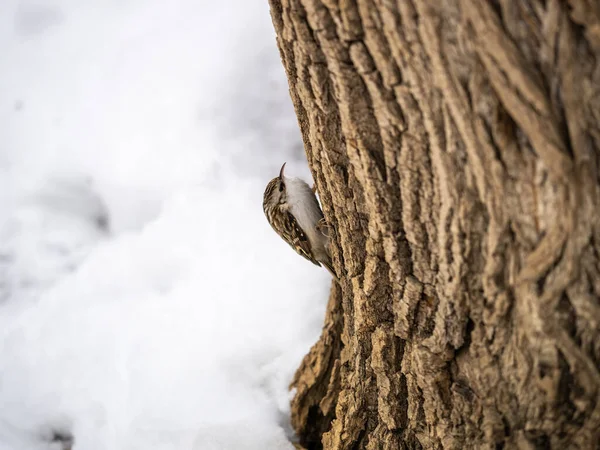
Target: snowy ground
x,y
145,303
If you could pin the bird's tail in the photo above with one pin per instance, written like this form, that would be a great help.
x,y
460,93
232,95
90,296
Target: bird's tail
x,y
330,268
323,228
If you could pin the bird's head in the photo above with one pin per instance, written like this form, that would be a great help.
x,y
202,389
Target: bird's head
x,y
275,191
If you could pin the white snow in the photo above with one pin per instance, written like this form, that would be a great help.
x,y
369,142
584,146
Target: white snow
x,y
145,303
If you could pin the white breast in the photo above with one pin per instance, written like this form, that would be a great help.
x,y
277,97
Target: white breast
x,y
303,205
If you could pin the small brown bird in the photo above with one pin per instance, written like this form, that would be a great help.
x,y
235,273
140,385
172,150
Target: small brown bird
x,y
294,213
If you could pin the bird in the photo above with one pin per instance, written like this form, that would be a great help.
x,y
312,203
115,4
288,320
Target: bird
x,y
293,211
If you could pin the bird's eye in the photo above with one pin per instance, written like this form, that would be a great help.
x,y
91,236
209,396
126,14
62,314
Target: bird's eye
x,y
280,187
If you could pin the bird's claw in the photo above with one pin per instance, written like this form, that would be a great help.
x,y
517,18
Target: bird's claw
x,y
323,227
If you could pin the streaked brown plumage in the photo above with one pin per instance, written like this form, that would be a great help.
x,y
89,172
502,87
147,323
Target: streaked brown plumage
x,y
294,213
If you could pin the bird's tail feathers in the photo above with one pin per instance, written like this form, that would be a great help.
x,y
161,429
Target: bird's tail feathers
x,y
327,264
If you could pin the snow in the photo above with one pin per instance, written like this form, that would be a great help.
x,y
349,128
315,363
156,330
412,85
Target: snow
x,y
145,303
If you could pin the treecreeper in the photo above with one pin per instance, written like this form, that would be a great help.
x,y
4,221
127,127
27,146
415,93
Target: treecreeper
x,y
293,211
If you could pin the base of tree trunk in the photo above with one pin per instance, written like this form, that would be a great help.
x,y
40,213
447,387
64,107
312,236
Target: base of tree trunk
x,y
317,380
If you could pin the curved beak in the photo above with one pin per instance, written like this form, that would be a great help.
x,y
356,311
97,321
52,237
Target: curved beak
x,y
281,171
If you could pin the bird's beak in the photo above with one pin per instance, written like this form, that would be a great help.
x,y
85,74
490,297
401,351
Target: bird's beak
x,y
281,171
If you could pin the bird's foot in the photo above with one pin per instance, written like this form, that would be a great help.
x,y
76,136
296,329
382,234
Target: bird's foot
x,y
323,227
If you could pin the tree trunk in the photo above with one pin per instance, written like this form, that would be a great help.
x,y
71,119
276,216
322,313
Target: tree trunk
x,y
455,146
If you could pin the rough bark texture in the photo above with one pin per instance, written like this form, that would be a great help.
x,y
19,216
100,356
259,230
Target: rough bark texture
x,y
456,149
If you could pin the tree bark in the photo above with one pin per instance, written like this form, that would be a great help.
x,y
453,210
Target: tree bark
x,y
456,149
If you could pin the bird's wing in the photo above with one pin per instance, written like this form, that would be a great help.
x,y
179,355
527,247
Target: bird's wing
x,y
296,237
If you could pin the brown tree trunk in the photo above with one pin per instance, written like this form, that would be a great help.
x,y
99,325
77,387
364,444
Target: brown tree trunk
x,y
455,145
